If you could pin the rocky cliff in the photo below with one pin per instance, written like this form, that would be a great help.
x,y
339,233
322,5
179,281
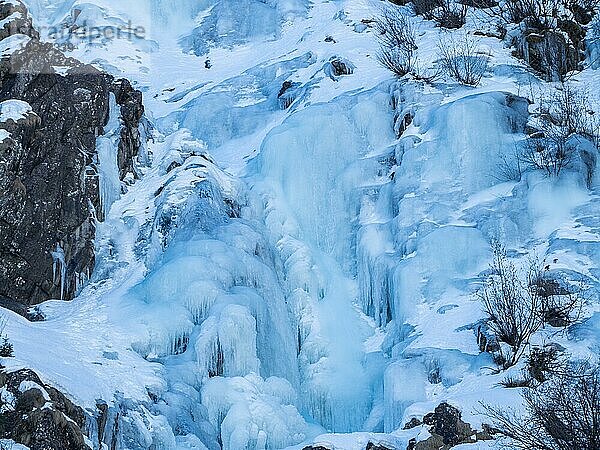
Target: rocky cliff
x,y
52,109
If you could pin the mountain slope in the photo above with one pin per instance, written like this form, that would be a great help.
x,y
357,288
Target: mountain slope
x,y
297,261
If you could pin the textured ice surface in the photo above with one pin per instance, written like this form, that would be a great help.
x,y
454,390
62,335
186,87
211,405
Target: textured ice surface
x,y
328,287
107,147
230,22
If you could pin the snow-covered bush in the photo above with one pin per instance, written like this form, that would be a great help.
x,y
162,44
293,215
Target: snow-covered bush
x,y
6,347
397,41
561,413
462,60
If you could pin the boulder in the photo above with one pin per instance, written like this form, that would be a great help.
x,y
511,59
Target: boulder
x,y
37,415
447,430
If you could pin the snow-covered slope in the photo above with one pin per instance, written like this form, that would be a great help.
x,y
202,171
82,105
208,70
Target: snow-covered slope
x,y
290,268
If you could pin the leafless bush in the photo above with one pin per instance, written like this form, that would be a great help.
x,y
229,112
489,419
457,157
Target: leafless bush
x,y
511,305
571,109
397,41
551,151
560,414
539,14
446,13
563,119
543,362
509,167
426,8
511,382
561,305
450,14
519,303
462,59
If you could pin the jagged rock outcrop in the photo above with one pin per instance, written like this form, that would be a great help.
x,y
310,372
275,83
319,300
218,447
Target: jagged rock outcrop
x,y
49,188
553,48
548,52
447,430
37,415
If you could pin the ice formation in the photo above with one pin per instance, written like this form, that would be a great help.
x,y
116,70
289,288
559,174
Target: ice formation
x,y
108,169
323,282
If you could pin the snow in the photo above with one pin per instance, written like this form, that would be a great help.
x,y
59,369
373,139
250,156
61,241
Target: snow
x,y
14,110
12,445
12,44
4,135
288,270
28,385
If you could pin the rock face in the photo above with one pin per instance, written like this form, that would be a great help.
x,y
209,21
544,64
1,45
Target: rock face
x,y
548,52
37,415
49,189
447,430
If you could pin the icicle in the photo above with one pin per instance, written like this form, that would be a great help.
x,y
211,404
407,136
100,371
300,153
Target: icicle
x,y
108,170
59,267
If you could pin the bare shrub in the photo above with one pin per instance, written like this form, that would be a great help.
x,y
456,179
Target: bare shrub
x,y
543,362
511,305
446,13
518,303
561,305
571,109
550,152
462,59
511,382
397,41
451,15
509,168
564,119
560,414
539,14
426,8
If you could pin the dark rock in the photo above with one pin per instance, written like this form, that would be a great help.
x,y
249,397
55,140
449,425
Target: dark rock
x,y
40,417
284,88
548,52
447,429
287,94
174,165
132,110
318,447
48,181
341,67
412,423
482,4
21,24
583,12
402,124
372,446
